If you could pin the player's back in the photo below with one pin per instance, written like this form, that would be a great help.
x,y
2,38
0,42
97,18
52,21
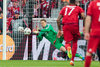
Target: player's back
x,y
70,13
94,12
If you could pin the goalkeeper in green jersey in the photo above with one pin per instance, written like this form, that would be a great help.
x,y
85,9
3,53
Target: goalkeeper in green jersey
x,y
49,33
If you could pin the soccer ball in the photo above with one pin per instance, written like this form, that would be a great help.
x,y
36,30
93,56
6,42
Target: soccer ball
x,y
20,29
27,31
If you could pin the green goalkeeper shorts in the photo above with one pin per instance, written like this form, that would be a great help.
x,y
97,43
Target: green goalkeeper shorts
x,y
58,43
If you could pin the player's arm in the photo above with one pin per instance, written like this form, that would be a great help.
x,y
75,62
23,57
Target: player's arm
x,y
83,17
88,21
59,26
40,35
61,14
60,17
82,14
87,27
58,22
87,24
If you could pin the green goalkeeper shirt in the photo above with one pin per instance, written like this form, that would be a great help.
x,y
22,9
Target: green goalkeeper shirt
x,y
49,33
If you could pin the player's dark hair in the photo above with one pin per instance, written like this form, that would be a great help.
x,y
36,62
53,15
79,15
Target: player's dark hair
x,y
43,20
72,1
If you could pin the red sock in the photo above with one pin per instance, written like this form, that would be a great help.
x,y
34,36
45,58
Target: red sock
x,y
74,49
87,61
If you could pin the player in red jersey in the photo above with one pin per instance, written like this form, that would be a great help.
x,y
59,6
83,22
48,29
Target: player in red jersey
x,y
69,15
92,30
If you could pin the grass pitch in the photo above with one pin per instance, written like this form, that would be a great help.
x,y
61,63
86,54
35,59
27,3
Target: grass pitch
x,y
42,63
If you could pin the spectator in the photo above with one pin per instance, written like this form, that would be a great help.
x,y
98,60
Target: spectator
x,y
12,7
1,21
44,8
54,3
16,6
64,2
1,4
16,22
36,7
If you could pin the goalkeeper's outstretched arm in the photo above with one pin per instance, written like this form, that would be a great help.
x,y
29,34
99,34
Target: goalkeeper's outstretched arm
x,y
40,35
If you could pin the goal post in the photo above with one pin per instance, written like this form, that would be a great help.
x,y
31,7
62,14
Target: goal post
x,y
4,28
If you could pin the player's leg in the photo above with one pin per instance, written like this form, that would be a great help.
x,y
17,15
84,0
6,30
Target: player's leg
x,y
74,49
60,46
68,47
77,55
76,36
63,49
88,59
74,54
92,47
67,37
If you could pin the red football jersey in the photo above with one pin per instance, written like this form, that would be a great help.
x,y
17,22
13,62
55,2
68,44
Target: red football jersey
x,y
94,12
70,14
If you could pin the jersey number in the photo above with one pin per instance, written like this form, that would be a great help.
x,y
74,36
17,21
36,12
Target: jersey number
x,y
69,12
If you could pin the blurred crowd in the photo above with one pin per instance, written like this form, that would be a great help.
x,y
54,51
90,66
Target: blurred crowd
x,y
42,9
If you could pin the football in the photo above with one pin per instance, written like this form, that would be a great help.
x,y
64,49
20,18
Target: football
x,y
27,31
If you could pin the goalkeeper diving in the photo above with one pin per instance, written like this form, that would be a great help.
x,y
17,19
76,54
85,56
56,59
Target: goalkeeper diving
x,y
49,33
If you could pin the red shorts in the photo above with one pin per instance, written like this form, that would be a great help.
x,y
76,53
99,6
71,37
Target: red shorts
x,y
71,32
94,41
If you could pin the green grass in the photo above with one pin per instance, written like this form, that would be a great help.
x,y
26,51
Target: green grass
x,y
41,63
